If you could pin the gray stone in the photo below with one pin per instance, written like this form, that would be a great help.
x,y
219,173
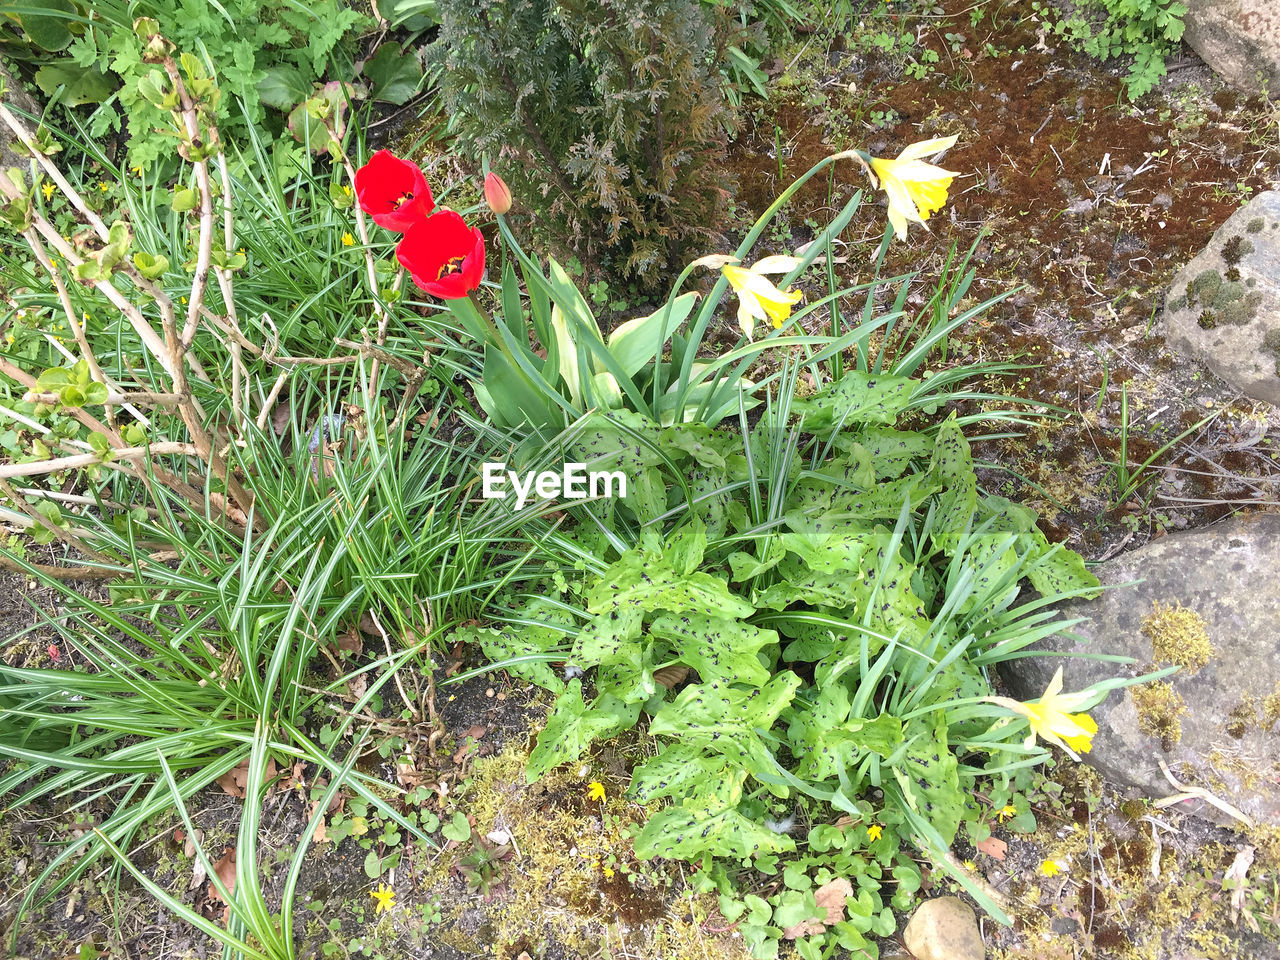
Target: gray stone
x,y
1227,742
1223,308
944,928
1240,39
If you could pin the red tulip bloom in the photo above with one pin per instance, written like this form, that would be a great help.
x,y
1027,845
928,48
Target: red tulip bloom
x,y
444,256
393,191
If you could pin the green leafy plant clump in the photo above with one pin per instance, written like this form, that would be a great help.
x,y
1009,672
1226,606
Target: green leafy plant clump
x,y
267,55
607,118
1145,30
831,591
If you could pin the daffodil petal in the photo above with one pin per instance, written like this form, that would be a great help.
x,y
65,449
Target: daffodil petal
x,y
926,148
748,312
917,170
779,263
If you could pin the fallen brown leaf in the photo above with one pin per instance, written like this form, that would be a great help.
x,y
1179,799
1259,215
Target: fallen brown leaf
x,y
672,675
235,780
993,847
225,870
831,897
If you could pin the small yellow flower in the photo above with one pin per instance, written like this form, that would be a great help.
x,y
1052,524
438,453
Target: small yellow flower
x,y
47,189
1006,812
346,188
1050,718
916,189
386,898
102,185
1050,868
874,832
348,239
595,790
137,171
970,865
758,298
608,873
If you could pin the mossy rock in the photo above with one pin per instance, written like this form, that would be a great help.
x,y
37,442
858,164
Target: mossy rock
x,y
1225,303
1205,603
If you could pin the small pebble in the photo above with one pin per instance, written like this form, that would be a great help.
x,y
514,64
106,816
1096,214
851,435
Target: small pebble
x,y
489,692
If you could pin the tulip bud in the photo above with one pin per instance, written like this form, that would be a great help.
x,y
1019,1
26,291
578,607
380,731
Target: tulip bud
x,y
497,194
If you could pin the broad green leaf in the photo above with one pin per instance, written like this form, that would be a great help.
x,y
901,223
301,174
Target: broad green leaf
x,y
47,30
607,636
283,86
81,85
725,719
515,641
952,466
573,726
1054,569
929,779
646,581
636,342
856,398
892,451
680,833
717,647
394,74
685,769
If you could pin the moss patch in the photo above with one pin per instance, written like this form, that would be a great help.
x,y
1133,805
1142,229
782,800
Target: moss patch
x,y
1178,636
1159,707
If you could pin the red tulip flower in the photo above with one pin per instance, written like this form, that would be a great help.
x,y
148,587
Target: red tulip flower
x,y
393,191
444,256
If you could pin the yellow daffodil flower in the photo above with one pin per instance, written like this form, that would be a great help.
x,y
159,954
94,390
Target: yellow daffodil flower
x,y
916,189
874,832
1051,718
386,898
758,298
1050,868
47,189
595,790
1006,812
348,239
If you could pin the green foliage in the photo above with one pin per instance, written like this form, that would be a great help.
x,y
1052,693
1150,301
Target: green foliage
x,y
1146,30
607,119
837,595
266,55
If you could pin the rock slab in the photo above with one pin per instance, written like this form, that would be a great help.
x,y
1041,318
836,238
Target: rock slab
x,y
944,928
1216,726
1223,308
1239,39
